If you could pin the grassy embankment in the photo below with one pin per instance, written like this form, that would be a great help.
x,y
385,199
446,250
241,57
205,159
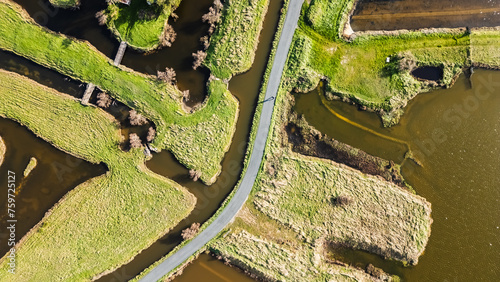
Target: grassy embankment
x,y
99,225
65,3
141,33
358,69
213,125
233,44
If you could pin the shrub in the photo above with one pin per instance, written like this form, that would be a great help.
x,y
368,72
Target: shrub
x,y
194,174
199,57
151,134
342,200
191,231
167,76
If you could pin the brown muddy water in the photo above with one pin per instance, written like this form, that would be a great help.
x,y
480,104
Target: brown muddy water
x,y
455,135
208,268
245,88
415,14
55,174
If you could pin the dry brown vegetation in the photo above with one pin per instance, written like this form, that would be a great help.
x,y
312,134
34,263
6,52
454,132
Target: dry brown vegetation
x,y
168,37
151,134
103,100
194,174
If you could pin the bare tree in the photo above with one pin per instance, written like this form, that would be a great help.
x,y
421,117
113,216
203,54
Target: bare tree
x,y
191,231
194,174
136,118
167,76
168,36
218,5
151,134
205,42
103,100
212,17
199,57
135,140
101,17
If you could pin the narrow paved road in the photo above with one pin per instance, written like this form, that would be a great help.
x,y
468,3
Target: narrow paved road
x,y
246,185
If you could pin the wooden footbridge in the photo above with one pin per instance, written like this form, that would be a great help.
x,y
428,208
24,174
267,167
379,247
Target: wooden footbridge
x,y
117,61
120,53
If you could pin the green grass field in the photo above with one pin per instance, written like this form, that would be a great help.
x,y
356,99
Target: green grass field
x,y
65,3
232,46
158,101
358,69
99,225
140,33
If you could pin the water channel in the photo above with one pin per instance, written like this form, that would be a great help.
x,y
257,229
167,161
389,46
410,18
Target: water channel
x,y
455,135
415,14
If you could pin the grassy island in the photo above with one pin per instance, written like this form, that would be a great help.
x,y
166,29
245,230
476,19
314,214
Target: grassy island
x,y
99,225
301,206
142,24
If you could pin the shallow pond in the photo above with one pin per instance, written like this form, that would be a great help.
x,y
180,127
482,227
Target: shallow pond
x,y
455,135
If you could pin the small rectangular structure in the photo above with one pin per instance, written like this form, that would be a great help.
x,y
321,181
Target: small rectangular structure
x,y
88,92
121,52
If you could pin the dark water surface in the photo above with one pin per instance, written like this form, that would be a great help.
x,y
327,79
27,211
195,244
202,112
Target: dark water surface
x,y
455,135
415,14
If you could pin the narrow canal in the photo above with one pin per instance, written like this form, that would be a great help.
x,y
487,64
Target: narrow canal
x,y
455,135
415,14
55,174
